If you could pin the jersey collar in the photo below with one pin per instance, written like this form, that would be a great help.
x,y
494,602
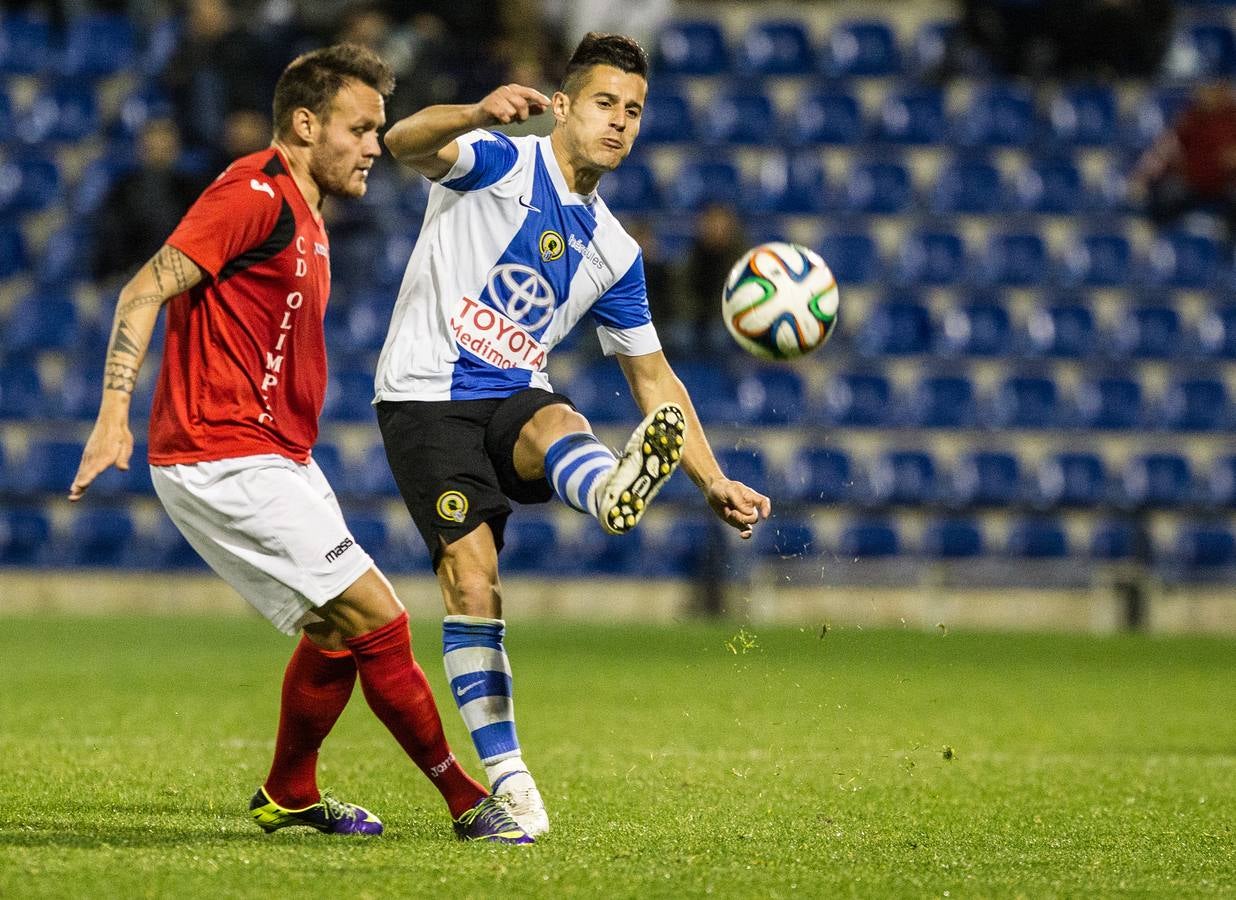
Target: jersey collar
x,y
565,194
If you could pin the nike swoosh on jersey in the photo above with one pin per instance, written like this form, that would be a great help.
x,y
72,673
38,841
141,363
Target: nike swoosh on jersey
x,y
526,205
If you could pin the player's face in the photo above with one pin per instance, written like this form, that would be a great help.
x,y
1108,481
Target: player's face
x,y
602,119
347,143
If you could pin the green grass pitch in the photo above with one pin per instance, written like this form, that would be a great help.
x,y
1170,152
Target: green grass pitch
x,y
676,761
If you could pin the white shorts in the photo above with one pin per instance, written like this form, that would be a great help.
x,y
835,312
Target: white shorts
x,y
270,527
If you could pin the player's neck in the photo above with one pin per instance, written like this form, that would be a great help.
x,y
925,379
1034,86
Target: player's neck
x,y
298,163
579,179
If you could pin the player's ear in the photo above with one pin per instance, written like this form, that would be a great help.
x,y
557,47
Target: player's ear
x,y
304,124
561,105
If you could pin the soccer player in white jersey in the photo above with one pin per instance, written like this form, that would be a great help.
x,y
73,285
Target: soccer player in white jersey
x,y
515,249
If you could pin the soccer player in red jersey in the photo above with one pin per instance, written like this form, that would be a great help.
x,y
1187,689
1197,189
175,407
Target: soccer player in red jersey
x,y
245,277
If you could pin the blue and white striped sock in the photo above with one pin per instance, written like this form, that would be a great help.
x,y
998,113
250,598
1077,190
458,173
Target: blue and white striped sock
x,y
480,681
576,466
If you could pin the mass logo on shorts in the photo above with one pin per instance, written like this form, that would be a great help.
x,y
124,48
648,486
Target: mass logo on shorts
x,y
453,506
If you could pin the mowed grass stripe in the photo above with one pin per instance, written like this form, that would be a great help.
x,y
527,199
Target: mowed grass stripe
x,y
838,763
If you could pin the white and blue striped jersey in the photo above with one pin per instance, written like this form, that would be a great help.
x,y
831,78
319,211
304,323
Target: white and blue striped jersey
x,y
507,262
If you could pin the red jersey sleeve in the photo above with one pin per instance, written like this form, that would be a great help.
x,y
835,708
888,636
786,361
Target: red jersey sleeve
x,y
235,214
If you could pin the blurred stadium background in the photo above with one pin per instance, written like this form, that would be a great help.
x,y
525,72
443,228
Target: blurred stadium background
x,y
1025,418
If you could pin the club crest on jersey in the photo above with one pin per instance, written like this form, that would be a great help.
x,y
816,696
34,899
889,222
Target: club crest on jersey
x,y
453,506
551,245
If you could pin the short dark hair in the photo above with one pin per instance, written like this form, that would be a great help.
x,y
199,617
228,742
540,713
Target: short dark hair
x,y
312,80
597,49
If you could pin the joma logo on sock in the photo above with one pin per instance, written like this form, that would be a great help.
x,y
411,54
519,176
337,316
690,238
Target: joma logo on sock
x,y
332,555
441,767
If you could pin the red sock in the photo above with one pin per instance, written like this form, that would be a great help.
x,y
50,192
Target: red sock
x,y
316,688
399,695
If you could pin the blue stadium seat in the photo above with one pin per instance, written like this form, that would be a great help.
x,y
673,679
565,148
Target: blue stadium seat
x,y
693,548
98,45
1037,539
931,258
66,257
1016,259
987,478
165,548
930,47
1025,401
66,111
1000,115
793,184
593,552
1197,404
1100,260
1216,332
1220,485
530,544
600,391
701,182
49,467
12,246
1117,540
979,328
713,390
741,115
1154,111
878,187
1083,116
6,111
1201,50
1063,329
861,48
1157,480
691,48
819,475
100,537
776,47
667,118
827,117
952,539
860,400
904,478
632,188
349,397
26,46
771,396
913,116
113,483
896,328
1072,479
1151,332
944,401
372,477
853,257
21,390
746,465
29,183
370,531
1110,403
42,321
786,538
1052,185
969,186
1200,546
329,458
25,536
868,540
1184,260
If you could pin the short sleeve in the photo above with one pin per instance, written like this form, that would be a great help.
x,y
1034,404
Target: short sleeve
x,y
624,324
235,214
484,157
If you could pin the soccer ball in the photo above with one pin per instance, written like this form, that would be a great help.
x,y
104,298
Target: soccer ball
x,y
780,301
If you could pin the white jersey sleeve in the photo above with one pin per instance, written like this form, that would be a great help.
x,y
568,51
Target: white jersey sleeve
x,y
484,158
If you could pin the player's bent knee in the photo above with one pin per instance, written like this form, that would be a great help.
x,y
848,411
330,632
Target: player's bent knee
x,y
366,605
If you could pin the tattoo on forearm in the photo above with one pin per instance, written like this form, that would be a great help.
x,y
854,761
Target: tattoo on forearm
x,y
119,377
171,262
123,342
138,303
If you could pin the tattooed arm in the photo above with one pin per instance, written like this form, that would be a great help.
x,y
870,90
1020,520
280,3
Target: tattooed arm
x,y
168,273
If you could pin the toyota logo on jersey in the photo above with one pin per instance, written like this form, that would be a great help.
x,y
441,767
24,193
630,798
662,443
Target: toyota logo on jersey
x,y
523,294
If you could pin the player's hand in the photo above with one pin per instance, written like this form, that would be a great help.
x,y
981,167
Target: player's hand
x,y
738,505
110,444
510,103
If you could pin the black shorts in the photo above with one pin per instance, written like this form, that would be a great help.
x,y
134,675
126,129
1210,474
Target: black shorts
x,y
454,461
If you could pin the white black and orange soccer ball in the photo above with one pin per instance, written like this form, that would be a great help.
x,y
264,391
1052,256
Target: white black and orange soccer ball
x,y
780,301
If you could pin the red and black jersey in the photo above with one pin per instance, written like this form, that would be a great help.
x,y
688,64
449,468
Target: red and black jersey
x,y
244,363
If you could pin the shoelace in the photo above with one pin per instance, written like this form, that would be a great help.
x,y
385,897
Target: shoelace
x,y
492,814
337,809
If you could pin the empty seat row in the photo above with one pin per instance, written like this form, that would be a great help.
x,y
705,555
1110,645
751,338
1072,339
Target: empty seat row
x,y
871,47
90,46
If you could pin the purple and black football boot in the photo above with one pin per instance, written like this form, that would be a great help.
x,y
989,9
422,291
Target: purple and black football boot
x,y
328,815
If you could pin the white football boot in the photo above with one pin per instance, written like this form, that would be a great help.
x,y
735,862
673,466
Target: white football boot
x,y
517,792
650,458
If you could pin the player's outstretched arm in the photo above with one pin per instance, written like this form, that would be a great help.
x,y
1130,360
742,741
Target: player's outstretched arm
x,y
168,273
425,140
652,383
